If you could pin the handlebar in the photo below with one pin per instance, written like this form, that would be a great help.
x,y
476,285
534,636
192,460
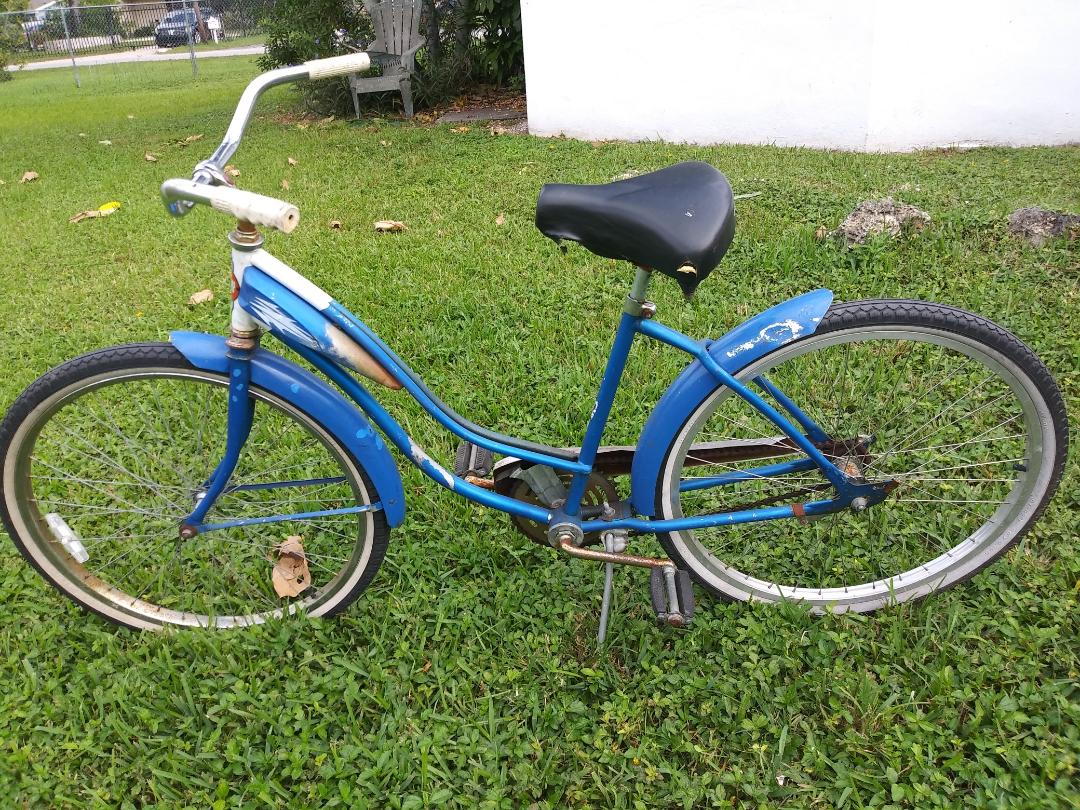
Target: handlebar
x,y
182,195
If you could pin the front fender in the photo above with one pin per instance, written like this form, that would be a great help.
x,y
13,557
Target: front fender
x,y
295,384
791,320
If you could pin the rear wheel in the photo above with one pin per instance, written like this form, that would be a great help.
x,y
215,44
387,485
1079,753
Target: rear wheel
x,y
956,410
111,450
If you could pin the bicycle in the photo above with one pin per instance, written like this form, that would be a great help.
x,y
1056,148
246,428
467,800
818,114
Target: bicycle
x,y
845,456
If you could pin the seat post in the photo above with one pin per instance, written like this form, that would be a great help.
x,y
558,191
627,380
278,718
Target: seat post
x,y
635,300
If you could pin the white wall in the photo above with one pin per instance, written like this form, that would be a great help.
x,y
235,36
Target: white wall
x,y
851,74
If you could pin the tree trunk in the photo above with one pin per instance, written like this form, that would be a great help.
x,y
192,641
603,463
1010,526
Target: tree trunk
x,y
434,42
463,30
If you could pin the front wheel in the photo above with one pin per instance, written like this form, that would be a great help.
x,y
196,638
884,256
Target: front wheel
x,y
955,410
102,457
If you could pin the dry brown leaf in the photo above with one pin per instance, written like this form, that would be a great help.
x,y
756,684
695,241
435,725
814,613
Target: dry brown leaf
x,y
106,210
232,171
291,576
500,219
285,185
462,129
201,297
193,138
390,226
335,224
301,126
293,161
821,233
105,143
150,157
28,177
384,143
426,666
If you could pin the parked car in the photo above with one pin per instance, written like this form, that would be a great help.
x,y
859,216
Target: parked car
x,y
176,27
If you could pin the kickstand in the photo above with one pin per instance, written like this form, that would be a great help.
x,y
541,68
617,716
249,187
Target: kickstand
x,y
605,604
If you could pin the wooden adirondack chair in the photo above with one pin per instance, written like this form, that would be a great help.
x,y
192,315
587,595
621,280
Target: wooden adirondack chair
x,y
397,39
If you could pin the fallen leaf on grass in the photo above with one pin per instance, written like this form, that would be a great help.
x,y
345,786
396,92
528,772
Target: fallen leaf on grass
x,y
821,233
232,171
390,226
82,135
500,219
335,224
2,182
28,177
201,297
285,185
384,143
131,117
462,129
189,139
291,575
103,210
105,143
293,161
150,157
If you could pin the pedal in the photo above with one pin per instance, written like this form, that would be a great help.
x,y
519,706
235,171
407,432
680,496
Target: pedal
x,y
473,460
672,595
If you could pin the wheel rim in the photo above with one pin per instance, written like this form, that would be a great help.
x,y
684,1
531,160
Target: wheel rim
x,y
982,511
145,468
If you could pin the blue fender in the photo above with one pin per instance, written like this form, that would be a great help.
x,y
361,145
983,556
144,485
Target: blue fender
x,y
791,320
295,384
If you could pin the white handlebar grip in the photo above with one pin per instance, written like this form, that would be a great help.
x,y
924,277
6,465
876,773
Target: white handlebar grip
x,y
255,208
338,65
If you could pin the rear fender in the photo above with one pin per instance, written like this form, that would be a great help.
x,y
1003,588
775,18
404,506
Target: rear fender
x,y
792,320
295,384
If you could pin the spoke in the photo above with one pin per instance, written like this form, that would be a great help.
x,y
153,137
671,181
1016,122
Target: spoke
x,y
905,403
107,460
110,495
921,432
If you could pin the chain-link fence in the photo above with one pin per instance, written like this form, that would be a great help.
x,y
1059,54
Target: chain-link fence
x,y
68,29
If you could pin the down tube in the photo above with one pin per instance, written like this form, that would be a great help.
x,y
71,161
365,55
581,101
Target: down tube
x,y
436,472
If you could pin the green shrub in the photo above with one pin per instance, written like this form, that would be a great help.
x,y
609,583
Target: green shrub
x,y
468,42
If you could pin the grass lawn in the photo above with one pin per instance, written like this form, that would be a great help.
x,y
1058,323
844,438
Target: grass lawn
x,y
468,674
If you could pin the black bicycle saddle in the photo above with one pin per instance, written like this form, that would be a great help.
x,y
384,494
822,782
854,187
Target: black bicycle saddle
x,y
679,220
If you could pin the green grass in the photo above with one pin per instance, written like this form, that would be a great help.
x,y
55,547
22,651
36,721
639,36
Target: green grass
x,y
468,674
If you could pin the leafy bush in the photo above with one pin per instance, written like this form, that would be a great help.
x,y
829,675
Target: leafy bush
x,y
11,37
501,51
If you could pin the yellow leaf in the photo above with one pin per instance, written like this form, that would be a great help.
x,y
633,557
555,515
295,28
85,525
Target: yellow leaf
x,y
201,297
462,129
109,207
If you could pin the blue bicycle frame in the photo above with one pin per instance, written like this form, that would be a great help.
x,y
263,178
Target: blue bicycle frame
x,y
272,296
